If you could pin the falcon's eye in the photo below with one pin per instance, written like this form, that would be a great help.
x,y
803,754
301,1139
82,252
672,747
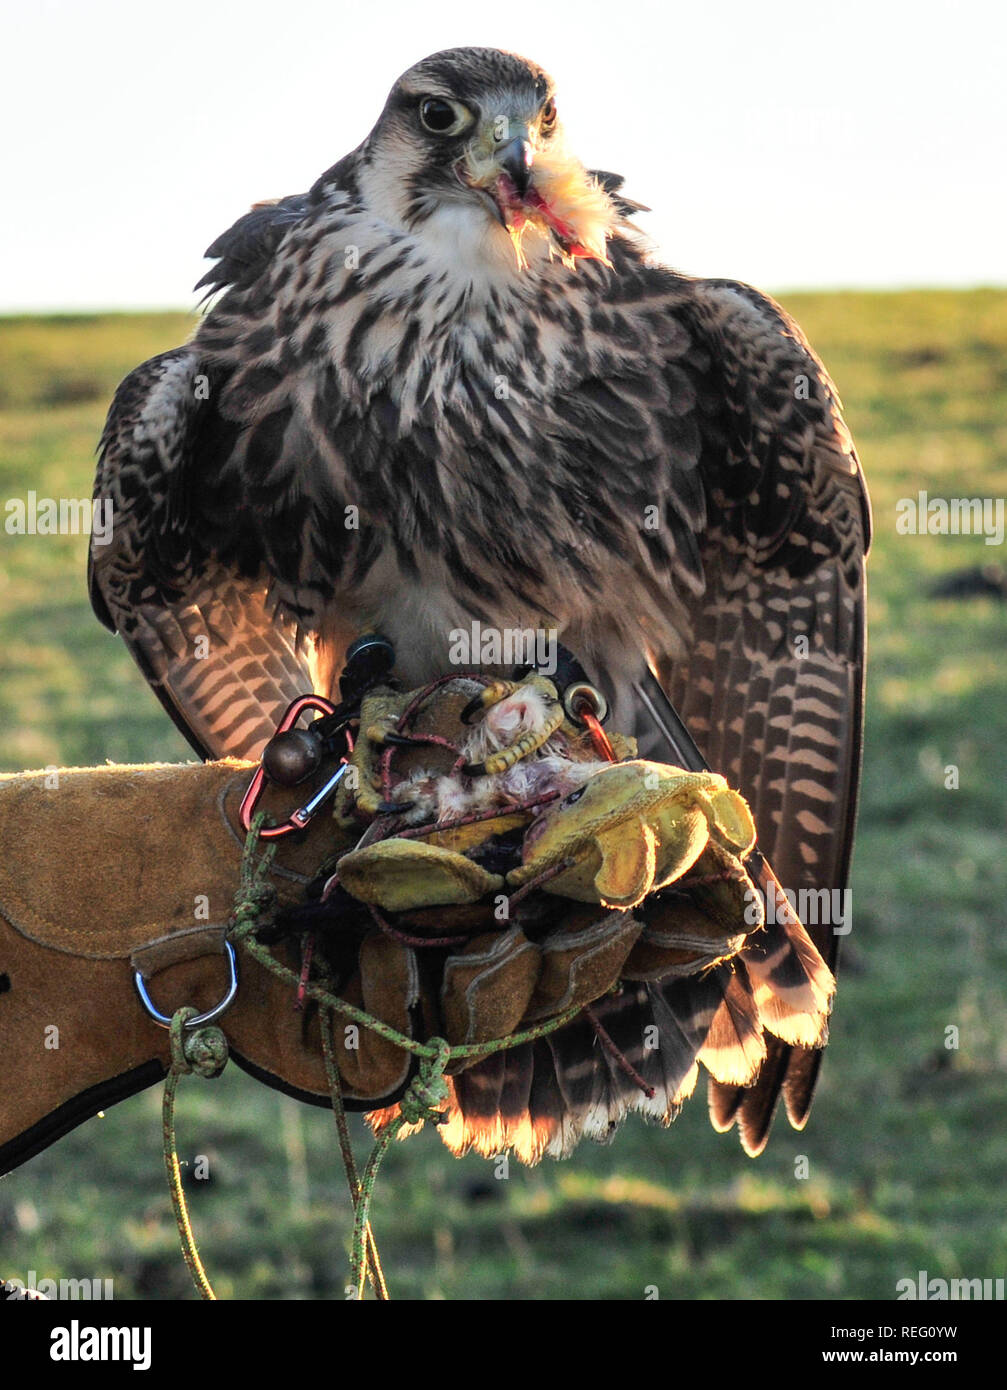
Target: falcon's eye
x,y
547,117
441,116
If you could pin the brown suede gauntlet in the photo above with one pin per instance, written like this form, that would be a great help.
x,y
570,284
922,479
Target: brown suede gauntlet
x,y
550,879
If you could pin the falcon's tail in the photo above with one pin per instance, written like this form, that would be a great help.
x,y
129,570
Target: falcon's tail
x,y
639,1051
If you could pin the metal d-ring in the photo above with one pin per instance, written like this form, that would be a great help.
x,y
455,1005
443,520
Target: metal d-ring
x,y
200,1019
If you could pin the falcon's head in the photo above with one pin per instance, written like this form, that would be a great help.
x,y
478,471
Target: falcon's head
x,y
472,135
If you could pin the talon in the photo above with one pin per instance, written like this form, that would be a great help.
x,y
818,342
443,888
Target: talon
x,y
491,695
471,709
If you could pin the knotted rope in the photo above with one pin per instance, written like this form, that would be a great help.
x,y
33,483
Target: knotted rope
x,y
423,1101
204,1052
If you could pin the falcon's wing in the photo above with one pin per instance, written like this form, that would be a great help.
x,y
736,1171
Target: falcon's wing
x,y
222,664
771,686
612,184
243,251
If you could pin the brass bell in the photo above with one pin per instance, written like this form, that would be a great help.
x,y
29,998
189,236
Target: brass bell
x,y
292,756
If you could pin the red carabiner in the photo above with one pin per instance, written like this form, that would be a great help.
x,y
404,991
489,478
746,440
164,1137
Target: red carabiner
x,y
250,800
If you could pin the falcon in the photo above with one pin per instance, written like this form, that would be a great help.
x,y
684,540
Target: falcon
x,y
449,385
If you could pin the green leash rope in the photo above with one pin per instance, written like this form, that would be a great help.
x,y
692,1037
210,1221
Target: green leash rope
x,y
429,1049
427,1092
422,1102
374,1270
205,1053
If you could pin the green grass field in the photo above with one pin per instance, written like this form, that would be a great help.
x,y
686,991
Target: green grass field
x,y
907,1145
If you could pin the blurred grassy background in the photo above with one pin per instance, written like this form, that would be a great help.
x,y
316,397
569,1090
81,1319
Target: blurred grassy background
x,y
907,1146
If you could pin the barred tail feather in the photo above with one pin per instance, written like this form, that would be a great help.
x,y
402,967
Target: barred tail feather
x,y
735,1047
792,985
640,1053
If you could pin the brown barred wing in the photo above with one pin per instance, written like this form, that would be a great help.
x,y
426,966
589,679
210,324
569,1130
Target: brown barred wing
x,y
771,686
204,634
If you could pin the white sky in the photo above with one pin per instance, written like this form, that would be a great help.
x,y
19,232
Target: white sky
x,y
789,144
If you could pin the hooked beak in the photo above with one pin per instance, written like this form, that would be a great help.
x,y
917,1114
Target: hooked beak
x,y
515,160
561,204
